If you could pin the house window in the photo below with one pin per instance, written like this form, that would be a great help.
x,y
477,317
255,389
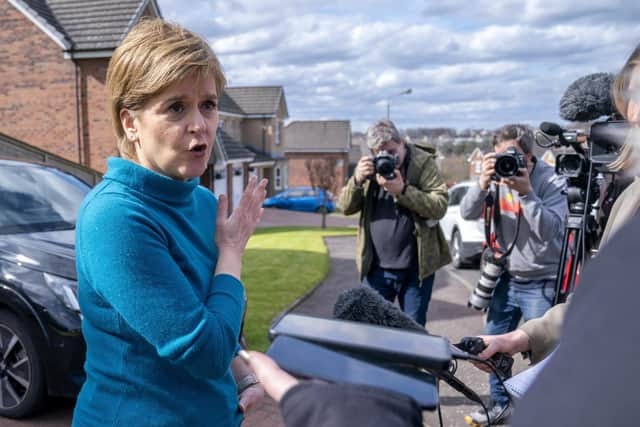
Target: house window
x,y
278,180
478,167
277,136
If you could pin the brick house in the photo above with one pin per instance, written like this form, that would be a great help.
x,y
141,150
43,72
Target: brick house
x,y
329,139
53,88
55,55
253,116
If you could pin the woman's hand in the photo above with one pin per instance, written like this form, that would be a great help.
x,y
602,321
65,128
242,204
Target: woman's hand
x,y
275,381
233,232
250,397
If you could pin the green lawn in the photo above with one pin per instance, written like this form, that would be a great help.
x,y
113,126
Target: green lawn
x,y
280,265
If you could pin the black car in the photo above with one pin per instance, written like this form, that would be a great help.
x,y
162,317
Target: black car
x,y
41,346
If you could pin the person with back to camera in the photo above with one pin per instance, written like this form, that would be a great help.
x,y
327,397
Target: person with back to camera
x,y
158,259
535,199
400,244
540,336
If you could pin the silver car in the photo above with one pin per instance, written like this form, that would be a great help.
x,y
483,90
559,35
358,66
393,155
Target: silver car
x,y
465,237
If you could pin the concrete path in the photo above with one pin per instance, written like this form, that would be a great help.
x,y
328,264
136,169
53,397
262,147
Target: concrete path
x,y
448,316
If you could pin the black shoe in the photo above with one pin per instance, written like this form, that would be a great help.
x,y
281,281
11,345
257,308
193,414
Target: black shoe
x,y
498,414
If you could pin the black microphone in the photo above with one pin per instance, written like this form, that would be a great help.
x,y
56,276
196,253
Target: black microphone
x,y
551,129
588,98
365,305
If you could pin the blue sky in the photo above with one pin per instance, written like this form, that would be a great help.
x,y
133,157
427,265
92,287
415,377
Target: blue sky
x,y
469,63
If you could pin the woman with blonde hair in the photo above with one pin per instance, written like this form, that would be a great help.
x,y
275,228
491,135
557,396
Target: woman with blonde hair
x,y
158,258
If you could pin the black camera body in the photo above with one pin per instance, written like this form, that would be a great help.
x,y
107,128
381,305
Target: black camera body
x,y
508,163
475,345
385,163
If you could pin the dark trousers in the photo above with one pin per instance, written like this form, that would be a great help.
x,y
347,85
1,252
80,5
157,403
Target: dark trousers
x,y
413,295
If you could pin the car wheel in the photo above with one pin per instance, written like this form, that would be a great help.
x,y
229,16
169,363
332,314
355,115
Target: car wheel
x,y
455,248
21,374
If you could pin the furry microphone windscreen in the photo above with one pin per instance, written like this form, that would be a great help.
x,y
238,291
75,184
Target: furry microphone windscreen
x,y
588,98
365,305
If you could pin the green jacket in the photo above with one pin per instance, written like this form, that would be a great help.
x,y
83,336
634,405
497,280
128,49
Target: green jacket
x,y
427,199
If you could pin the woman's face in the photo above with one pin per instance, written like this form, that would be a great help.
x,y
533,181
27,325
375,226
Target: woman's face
x,y
175,130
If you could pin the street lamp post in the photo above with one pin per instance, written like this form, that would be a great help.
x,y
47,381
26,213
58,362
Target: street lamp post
x,y
404,92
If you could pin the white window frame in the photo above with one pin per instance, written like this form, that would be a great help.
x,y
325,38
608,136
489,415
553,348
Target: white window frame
x,y
277,133
277,177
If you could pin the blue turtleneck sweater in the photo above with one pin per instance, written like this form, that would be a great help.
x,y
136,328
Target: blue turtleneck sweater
x,y
160,328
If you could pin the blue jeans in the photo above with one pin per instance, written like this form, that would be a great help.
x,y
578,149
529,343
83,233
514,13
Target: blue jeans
x,y
413,296
512,301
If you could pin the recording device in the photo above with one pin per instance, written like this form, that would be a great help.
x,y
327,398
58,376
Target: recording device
x,y
492,268
368,342
475,345
586,99
385,163
508,163
309,360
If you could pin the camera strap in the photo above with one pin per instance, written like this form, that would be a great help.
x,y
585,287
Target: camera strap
x,y
492,216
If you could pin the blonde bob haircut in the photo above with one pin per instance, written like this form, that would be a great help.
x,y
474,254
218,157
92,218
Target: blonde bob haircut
x,y
626,158
153,56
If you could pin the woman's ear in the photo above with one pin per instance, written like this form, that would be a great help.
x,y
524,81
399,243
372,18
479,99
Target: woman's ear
x,y
127,119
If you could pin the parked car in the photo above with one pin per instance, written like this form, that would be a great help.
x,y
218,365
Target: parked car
x,y
41,346
302,199
465,237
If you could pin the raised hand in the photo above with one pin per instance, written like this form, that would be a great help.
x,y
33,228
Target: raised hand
x,y
233,232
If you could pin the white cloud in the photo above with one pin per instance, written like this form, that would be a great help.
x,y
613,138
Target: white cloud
x,y
469,64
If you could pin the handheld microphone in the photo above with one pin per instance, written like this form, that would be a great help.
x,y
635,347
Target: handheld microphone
x,y
365,305
551,129
588,98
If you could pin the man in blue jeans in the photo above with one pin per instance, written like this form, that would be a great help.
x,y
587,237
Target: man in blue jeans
x,y
400,244
535,198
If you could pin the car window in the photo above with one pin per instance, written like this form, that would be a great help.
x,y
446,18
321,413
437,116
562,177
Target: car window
x,y
295,193
456,195
36,198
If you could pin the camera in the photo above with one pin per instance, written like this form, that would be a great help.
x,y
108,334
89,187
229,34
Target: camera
x,y
492,268
508,163
475,345
385,163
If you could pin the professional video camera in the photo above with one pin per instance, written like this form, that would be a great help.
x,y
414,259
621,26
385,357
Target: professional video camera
x,y
385,163
587,99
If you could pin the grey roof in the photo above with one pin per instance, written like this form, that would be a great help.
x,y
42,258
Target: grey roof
x,y
261,156
259,100
91,24
231,148
227,105
318,136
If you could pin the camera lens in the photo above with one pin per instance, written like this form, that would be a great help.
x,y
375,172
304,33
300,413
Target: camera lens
x,y
385,168
571,165
506,166
483,292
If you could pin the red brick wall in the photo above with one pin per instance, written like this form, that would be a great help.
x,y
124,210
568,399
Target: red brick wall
x,y
36,86
99,141
297,170
38,98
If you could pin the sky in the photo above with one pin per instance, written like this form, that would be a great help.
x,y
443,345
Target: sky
x,y
468,63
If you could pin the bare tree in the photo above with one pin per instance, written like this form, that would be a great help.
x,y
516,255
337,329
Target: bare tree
x,y
322,175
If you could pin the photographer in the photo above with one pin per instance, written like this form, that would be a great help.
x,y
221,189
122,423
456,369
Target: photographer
x,y
400,244
540,336
531,212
